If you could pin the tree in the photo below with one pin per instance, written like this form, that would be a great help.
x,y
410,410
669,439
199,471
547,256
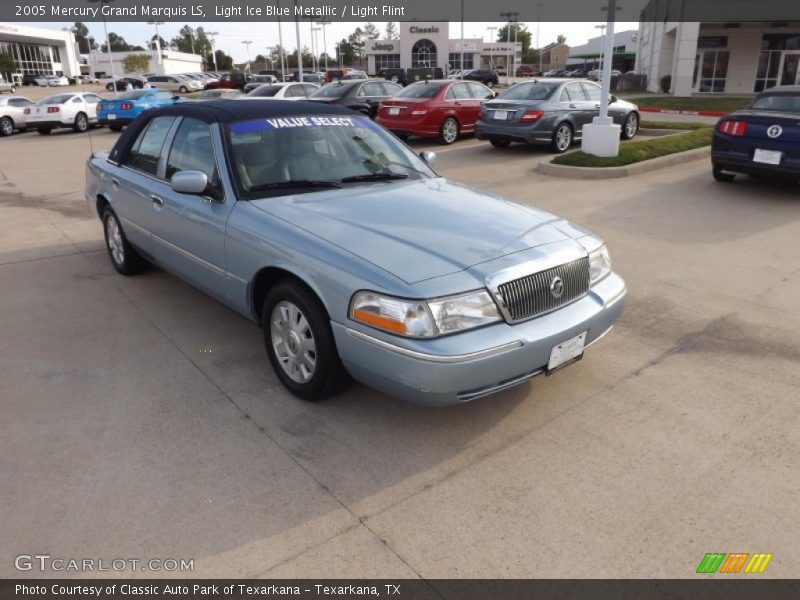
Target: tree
x,y
162,42
118,44
191,41
347,52
561,39
85,42
371,32
224,62
522,35
357,41
136,63
7,64
391,31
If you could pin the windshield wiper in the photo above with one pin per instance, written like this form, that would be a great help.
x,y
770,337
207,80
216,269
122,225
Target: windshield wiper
x,y
374,177
295,183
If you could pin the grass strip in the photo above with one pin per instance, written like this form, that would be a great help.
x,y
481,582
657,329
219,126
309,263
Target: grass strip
x,y
724,104
635,152
677,125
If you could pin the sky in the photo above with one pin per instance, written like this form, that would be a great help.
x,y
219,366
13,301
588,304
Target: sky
x,y
264,35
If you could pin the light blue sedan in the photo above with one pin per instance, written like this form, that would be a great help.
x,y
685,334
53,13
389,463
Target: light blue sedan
x,y
355,258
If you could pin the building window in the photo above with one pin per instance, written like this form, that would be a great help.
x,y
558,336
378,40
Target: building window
x,y
711,67
767,74
30,58
455,60
56,54
387,61
423,54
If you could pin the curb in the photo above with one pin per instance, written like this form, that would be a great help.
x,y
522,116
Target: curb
x,y
548,168
660,132
688,113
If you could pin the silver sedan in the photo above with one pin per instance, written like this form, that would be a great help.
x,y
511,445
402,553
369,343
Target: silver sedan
x,y
12,113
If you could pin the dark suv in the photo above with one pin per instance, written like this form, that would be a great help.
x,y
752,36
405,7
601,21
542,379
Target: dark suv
x,y
137,83
32,79
486,76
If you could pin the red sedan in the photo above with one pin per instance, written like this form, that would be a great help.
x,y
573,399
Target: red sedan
x,y
431,109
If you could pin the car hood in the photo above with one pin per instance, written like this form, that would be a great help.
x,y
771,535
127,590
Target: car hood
x,y
420,229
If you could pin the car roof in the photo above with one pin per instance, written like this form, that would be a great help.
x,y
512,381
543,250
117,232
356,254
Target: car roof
x,y
785,89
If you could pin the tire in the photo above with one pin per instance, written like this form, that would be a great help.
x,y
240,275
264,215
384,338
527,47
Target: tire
x,y
300,343
562,138
182,89
489,84
403,136
6,126
116,128
13,89
125,259
721,176
500,142
81,124
44,130
110,88
631,126
448,131
394,79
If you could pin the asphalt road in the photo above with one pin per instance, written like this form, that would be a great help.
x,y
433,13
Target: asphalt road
x,y
141,419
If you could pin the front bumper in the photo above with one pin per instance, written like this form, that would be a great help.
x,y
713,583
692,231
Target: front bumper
x,y
473,364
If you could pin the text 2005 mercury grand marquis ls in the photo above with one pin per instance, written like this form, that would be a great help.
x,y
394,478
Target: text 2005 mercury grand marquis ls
x,y
353,255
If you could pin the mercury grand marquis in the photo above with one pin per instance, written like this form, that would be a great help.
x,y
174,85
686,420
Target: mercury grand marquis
x,y
353,255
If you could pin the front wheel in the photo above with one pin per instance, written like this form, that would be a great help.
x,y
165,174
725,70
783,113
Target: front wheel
x,y
500,142
6,126
721,175
448,132
81,124
631,127
13,89
562,138
182,89
300,343
123,256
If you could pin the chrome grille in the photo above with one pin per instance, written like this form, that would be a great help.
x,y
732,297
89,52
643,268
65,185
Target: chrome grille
x,y
530,296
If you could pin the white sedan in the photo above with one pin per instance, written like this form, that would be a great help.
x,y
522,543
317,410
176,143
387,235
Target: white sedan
x,y
57,80
12,113
76,110
283,91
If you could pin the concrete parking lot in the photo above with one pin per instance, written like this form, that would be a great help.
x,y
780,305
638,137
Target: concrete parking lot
x,y
141,418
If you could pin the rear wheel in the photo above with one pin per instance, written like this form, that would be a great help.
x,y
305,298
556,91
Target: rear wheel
x,y
45,130
81,124
183,89
500,142
721,175
448,132
13,89
631,127
300,343
562,138
6,126
123,256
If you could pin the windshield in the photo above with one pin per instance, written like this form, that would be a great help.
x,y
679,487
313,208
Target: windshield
x,y
265,91
270,155
420,89
57,99
332,90
777,102
528,91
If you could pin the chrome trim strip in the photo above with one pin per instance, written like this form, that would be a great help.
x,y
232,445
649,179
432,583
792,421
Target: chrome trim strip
x,y
468,396
455,358
616,298
190,256
141,230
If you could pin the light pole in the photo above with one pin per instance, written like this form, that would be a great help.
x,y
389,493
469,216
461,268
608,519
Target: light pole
x,y
213,35
282,52
491,48
461,59
324,24
247,45
297,35
538,28
315,43
514,47
158,40
191,36
108,43
509,16
602,35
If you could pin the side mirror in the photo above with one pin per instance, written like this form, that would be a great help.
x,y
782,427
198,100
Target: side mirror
x,y
189,182
429,157
612,100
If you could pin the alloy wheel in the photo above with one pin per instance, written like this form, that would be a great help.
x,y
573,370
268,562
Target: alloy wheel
x,y
563,137
449,131
114,240
6,126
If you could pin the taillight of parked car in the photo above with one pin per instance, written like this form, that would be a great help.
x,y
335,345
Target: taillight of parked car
x,y
126,106
733,128
53,109
27,111
531,116
99,107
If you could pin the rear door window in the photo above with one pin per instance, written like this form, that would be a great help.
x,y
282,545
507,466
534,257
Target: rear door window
x,y
592,91
146,150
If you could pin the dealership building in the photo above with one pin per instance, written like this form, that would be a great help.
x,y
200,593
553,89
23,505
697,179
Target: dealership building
x,y
429,45
38,50
716,58
170,62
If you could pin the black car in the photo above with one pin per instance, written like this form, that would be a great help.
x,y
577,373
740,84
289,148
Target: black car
x,y
763,140
361,95
394,75
486,76
122,84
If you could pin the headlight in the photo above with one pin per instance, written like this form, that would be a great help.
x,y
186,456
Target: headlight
x,y
464,312
424,319
599,264
410,318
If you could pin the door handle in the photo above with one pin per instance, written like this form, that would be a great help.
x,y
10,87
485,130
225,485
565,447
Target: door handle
x,y
572,106
115,181
597,106
156,200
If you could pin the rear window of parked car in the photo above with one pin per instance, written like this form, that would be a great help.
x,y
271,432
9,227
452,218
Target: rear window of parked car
x,y
529,91
778,102
58,99
420,89
332,90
